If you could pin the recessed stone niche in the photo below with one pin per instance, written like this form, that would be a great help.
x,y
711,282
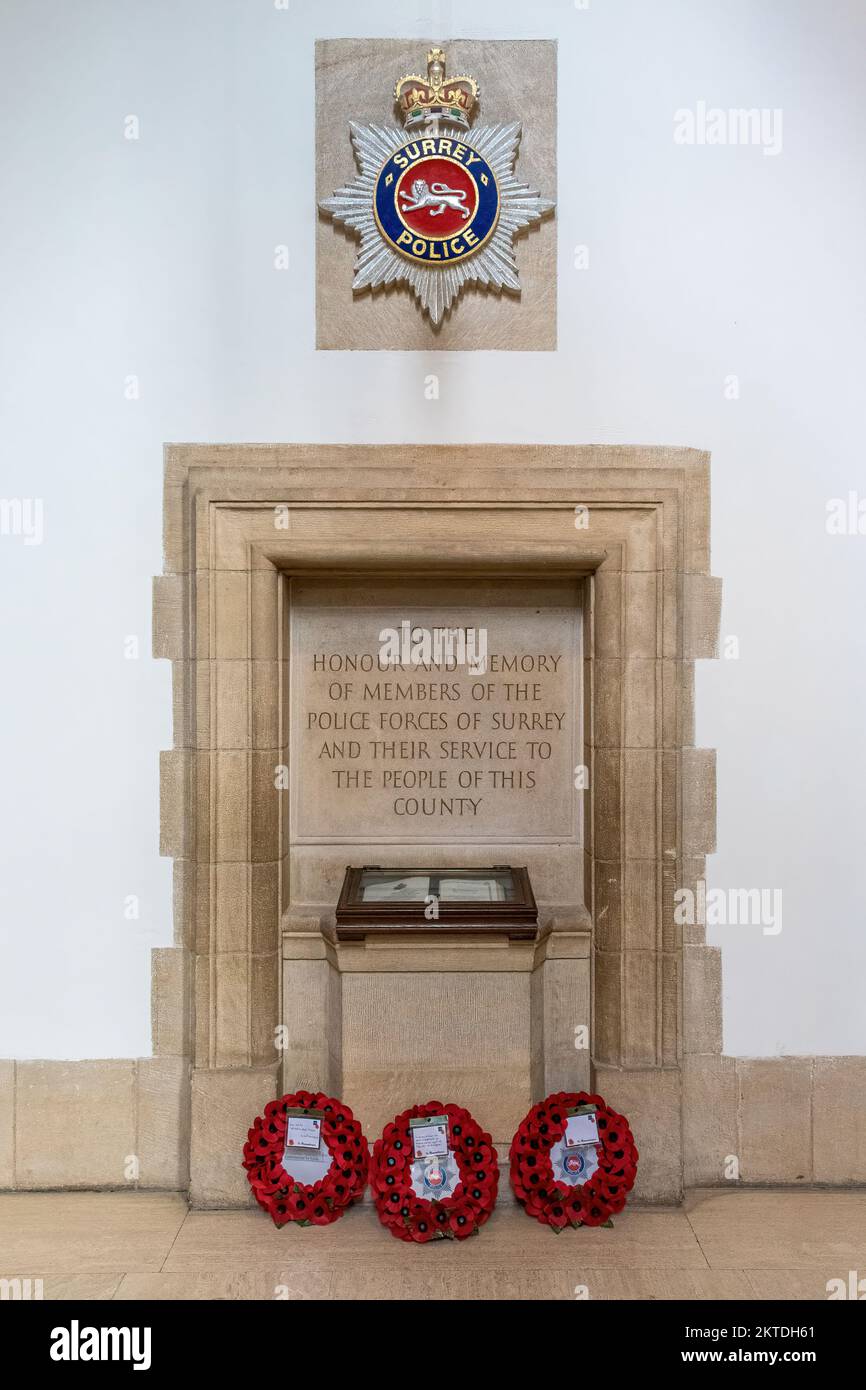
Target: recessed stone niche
x,y
587,568
448,766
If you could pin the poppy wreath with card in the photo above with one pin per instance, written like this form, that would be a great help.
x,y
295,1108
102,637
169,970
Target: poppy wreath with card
x,y
405,1188
538,1146
282,1192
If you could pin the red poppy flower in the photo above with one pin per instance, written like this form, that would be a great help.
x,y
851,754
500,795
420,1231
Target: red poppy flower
x,y
595,1212
462,1222
557,1215
482,1197
421,1223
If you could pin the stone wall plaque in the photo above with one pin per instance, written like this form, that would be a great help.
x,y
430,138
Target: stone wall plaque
x,y
431,752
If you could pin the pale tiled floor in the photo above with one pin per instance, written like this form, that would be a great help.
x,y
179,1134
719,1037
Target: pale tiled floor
x,y
719,1245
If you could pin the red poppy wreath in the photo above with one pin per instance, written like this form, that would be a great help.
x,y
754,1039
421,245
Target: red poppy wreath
x,y
306,1188
572,1184
428,1191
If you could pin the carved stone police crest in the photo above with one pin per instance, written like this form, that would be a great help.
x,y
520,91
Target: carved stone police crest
x,y
441,209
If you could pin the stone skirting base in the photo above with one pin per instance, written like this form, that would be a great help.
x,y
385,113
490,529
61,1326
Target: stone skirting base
x,y
112,1123
785,1120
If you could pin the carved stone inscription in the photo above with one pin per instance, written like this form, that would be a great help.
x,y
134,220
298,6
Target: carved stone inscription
x,y
435,725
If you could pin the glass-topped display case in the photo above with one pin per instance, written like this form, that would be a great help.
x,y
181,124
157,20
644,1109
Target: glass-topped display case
x,y
496,899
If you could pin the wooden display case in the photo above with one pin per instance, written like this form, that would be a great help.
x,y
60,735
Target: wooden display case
x,y
498,899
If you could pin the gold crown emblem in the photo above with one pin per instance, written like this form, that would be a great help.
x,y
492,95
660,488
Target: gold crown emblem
x,y
420,99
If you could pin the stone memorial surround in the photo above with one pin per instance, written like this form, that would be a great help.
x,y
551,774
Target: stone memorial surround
x,y
653,609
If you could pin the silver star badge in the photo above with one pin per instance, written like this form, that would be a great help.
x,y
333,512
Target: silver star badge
x,y
435,205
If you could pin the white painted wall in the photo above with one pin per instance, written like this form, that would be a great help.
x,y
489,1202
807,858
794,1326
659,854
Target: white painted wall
x,y
154,258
